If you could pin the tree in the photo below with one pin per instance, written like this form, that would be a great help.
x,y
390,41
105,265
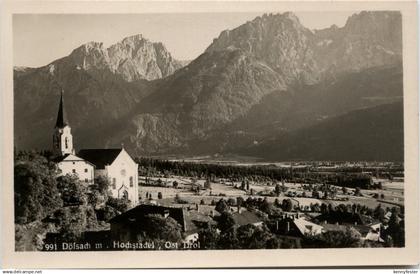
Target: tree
x,y
265,206
35,188
243,185
208,238
244,235
73,220
121,205
72,190
247,185
287,205
231,201
207,184
99,192
252,237
228,239
225,221
157,227
277,189
315,194
106,213
395,230
221,206
334,239
240,201
101,183
379,213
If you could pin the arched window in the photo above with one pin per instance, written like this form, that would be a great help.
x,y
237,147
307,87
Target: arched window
x,y
131,181
66,142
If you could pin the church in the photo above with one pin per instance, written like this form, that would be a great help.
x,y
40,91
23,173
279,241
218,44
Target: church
x,y
115,164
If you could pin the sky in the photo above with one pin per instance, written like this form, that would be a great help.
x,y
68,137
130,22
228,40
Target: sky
x,y
39,39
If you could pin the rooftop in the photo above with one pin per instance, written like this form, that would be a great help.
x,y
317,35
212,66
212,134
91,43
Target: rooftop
x,y
100,157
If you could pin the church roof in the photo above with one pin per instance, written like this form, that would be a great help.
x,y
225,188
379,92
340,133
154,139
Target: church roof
x,y
70,158
61,116
100,157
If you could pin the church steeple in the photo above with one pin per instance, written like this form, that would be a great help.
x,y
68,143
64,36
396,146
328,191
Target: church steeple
x,y
61,116
62,138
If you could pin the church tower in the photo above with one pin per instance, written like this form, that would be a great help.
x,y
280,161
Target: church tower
x,y
62,138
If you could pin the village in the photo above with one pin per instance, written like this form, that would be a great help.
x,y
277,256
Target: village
x,y
105,199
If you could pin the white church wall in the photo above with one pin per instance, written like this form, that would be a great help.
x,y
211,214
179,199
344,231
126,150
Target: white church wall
x,y
123,176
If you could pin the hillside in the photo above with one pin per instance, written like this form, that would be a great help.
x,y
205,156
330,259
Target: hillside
x,y
373,134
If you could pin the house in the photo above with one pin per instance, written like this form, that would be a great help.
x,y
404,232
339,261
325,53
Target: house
x,y
115,164
71,164
127,226
119,167
295,226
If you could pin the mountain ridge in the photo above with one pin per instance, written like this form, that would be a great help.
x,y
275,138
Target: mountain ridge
x,y
270,71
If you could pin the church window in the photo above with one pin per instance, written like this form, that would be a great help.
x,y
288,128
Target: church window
x,y
66,142
86,170
74,163
74,171
131,181
114,185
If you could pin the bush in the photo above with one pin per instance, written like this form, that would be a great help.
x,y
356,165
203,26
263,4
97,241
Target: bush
x,y
157,227
221,206
106,213
231,201
120,205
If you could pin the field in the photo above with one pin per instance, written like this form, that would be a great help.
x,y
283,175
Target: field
x,y
393,193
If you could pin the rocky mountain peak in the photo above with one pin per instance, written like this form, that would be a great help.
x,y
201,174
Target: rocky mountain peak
x,y
134,58
279,40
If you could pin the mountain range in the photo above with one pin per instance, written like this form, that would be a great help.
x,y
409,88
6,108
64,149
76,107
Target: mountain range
x,y
270,88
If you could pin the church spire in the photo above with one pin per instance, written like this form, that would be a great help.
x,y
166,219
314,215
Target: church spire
x,y
61,117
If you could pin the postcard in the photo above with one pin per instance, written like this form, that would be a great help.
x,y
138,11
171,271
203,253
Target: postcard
x,y
209,134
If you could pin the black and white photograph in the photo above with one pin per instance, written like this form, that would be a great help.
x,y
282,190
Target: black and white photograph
x,y
195,131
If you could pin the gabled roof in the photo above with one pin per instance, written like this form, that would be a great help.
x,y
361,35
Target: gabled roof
x,y
71,158
100,157
61,116
306,227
